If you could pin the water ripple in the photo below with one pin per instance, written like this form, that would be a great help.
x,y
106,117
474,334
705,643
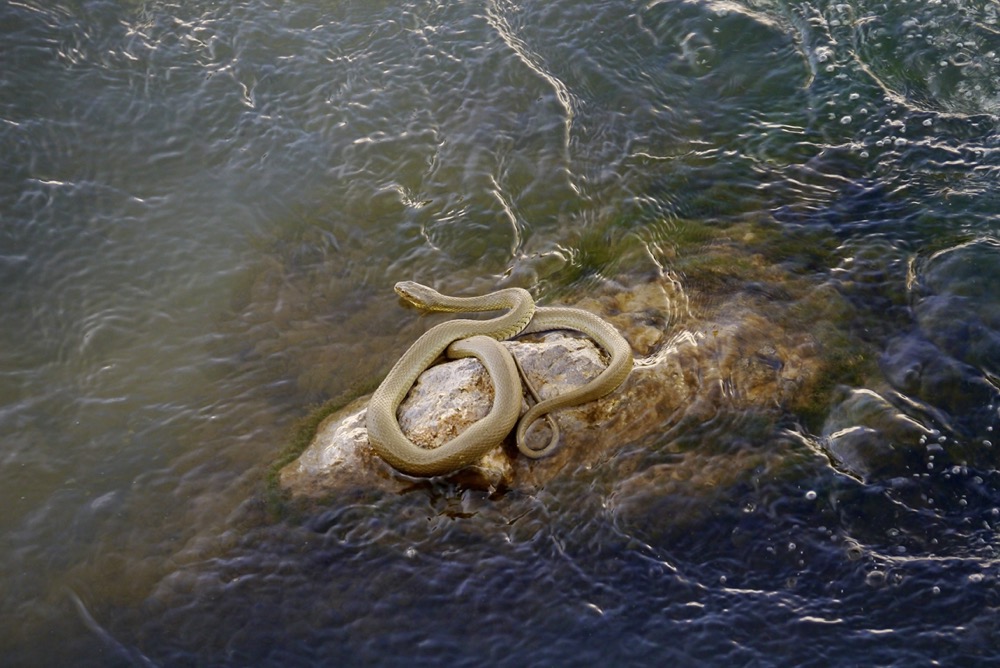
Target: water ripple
x,y
205,206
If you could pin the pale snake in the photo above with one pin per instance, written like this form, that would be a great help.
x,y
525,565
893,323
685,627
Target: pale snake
x,y
480,339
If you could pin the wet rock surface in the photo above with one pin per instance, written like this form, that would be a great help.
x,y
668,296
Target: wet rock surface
x,y
688,368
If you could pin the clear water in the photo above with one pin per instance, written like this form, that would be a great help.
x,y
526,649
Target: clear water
x,y
203,207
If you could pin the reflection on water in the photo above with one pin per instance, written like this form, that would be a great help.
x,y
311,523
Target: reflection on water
x,y
205,207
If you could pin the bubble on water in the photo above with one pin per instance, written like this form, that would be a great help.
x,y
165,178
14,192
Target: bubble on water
x,y
410,552
928,122
864,154
810,495
976,578
853,96
961,59
875,579
987,443
844,120
935,590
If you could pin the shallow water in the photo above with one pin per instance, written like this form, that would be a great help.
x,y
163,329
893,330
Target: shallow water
x,y
205,205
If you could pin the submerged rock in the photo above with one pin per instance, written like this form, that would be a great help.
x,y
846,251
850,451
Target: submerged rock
x,y
937,398
687,369
917,367
867,435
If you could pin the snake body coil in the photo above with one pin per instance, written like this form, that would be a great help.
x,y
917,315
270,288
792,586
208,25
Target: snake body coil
x,y
479,338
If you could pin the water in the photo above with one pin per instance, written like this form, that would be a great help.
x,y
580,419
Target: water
x,y
204,207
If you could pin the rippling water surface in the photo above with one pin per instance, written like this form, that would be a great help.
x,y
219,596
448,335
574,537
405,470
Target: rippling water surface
x,y
204,206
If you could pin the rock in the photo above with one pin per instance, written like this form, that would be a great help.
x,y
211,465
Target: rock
x,y
866,435
340,444
683,490
687,370
445,400
917,367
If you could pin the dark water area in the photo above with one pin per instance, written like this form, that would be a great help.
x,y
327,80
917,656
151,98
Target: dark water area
x,y
203,208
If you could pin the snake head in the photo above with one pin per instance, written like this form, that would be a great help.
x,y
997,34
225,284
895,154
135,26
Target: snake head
x,y
415,294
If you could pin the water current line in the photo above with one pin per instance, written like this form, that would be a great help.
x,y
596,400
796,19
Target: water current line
x,y
515,246
133,656
499,23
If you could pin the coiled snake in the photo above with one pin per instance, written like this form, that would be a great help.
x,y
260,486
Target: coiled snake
x,y
480,339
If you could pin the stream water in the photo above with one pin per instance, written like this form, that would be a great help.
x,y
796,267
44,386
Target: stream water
x,y
204,206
